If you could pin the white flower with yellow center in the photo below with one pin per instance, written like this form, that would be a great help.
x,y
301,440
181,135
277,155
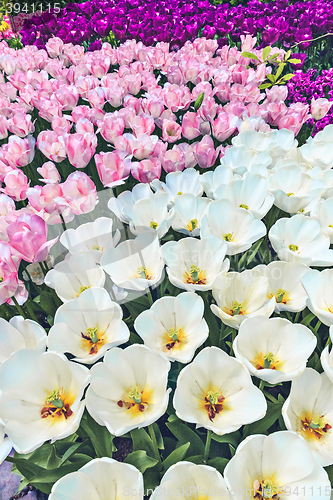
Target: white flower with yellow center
x,y
177,183
129,389
299,238
215,391
319,287
40,398
278,466
135,264
198,481
174,326
149,212
237,227
250,193
5,444
245,157
286,286
309,412
88,326
195,264
127,198
242,295
93,237
75,274
20,333
294,190
326,358
274,350
100,479
188,212
323,212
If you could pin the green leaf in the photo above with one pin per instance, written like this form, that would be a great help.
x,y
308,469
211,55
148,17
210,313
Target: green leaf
x,y
45,480
289,76
266,51
274,56
176,456
294,61
279,70
250,55
233,438
26,468
218,463
73,449
140,460
199,101
287,55
195,459
142,441
270,77
101,438
308,318
329,471
137,306
185,434
265,86
159,437
254,250
260,427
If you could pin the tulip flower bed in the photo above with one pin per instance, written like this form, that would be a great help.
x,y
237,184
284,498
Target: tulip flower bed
x,y
165,282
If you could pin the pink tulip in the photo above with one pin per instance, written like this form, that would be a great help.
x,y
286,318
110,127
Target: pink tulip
x,y
115,95
142,124
45,197
171,131
84,126
154,107
51,145
61,126
111,127
80,148
86,83
188,150
6,204
99,67
146,171
9,281
277,94
133,103
97,97
20,152
174,160
3,127
49,109
113,168
248,42
141,146
49,173
80,193
190,125
320,108
21,125
291,122
224,126
205,153
28,238
67,96
54,46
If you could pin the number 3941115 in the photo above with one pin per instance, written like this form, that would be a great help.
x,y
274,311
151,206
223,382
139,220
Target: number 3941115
x,y
18,8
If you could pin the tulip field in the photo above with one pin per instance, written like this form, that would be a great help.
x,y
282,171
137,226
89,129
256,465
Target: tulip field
x,y
166,250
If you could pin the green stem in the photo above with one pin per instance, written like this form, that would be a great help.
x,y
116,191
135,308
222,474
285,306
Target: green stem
x,y
150,298
31,311
63,223
18,307
207,445
153,438
261,385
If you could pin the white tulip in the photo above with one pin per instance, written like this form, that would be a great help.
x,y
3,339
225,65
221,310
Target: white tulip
x,y
236,226
299,238
308,411
274,350
195,264
178,183
129,389
323,212
40,398
211,180
198,481
286,286
280,465
5,444
326,359
88,326
318,285
20,333
75,274
242,295
102,478
244,157
139,192
188,212
93,237
135,264
215,391
174,326
250,193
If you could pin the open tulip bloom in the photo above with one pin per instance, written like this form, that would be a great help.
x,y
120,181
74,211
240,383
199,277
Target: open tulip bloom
x,y
88,326
301,239
178,183
93,237
242,295
280,465
323,212
215,391
100,479
128,199
274,350
195,264
174,326
199,480
129,389
309,412
319,287
19,333
135,264
40,398
327,359
75,274
188,212
237,227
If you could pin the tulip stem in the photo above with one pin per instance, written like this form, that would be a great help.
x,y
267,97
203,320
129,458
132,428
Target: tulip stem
x,y
19,308
153,438
31,311
150,298
63,222
261,385
207,445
